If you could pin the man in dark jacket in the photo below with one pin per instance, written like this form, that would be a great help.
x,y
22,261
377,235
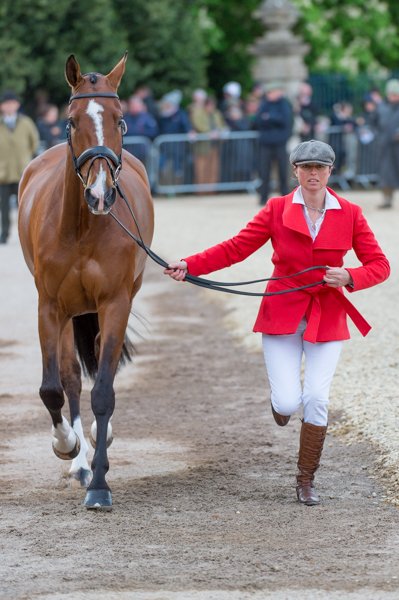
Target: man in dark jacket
x,y
139,123
387,126
145,94
308,111
173,120
274,123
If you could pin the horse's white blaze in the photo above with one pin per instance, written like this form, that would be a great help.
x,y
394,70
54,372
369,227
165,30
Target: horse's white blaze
x,y
98,189
64,437
80,461
93,110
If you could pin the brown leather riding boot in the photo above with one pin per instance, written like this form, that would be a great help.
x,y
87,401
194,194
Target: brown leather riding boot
x,y
310,449
281,420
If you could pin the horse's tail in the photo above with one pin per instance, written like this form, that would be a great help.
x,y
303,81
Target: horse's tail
x,y
85,329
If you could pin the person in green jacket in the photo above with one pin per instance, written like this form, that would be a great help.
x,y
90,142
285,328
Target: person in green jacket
x,y
19,140
207,119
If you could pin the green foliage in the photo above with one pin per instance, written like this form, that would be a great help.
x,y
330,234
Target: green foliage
x,y
164,38
350,35
166,42
231,29
180,43
36,37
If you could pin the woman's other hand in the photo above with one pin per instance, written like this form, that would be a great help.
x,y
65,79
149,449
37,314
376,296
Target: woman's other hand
x,y
177,270
338,277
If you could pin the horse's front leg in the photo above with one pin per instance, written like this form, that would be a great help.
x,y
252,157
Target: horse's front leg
x,y
113,320
79,473
65,441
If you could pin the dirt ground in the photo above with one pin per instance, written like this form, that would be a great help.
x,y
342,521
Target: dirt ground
x,y
203,481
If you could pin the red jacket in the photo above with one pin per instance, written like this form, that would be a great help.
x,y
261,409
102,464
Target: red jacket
x,y
284,224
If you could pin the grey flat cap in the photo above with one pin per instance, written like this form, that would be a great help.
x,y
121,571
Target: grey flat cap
x,y
313,152
392,87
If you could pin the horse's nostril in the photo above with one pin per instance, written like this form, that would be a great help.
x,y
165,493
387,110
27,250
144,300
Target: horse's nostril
x,y
110,197
90,199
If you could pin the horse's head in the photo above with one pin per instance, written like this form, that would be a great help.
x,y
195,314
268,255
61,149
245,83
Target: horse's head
x,y
95,128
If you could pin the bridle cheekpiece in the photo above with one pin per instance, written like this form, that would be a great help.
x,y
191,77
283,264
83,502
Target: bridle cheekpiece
x,y
114,162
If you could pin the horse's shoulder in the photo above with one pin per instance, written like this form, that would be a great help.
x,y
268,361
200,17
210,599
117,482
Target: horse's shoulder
x,y
134,163
49,159
134,167
41,169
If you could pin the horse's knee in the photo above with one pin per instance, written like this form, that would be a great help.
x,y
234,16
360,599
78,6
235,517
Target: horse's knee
x,y
103,400
52,397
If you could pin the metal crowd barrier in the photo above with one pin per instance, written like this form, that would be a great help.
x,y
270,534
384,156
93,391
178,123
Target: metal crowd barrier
x,y
356,156
206,163
203,163
142,148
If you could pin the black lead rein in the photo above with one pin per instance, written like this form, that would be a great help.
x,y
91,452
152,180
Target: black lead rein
x,y
109,155
207,283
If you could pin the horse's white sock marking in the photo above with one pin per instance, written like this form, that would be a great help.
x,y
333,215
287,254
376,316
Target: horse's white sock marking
x,y
93,110
80,462
94,430
64,437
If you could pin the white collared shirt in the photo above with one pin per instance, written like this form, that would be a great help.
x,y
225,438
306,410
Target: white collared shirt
x,y
331,203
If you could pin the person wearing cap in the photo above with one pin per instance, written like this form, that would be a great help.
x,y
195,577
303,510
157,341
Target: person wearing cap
x,y
19,139
173,119
387,127
198,98
307,110
274,123
231,96
310,227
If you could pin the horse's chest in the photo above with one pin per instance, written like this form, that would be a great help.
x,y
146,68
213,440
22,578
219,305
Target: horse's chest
x,y
80,286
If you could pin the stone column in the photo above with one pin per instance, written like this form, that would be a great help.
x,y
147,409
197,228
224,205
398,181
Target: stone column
x,y
279,53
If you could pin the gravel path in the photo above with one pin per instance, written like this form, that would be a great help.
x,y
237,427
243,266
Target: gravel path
x,y
202,479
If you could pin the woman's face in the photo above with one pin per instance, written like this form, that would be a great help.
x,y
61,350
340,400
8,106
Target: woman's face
x,y
312,176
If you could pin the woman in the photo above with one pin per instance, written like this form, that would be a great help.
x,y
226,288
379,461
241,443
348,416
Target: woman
x,y
207,119
312,226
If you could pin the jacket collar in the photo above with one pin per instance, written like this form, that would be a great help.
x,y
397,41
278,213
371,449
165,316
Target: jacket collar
x,y
331,202
293,217
335,231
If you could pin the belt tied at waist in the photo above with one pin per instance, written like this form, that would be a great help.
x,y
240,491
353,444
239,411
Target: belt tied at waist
x,y
315,311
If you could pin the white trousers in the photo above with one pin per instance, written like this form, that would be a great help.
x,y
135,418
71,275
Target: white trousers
x,y
283,356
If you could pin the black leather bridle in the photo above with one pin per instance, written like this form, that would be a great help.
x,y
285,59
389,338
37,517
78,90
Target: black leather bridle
x,y
114,162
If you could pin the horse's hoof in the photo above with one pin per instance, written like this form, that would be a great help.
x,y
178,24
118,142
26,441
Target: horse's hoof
x,y
68,455
80,478
98,500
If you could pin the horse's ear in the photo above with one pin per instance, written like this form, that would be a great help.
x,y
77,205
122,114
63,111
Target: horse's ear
x,y
73,74
115,76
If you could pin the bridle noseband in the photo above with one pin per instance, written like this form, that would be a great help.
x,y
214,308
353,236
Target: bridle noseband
x,y
114,162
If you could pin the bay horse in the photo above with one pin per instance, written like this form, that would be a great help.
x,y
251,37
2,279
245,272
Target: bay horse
x,y
86,270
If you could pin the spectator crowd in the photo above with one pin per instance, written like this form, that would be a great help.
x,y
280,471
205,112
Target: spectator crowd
x,y
217,156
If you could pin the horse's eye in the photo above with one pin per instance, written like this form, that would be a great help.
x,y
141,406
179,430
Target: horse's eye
x,y
123,126
71,122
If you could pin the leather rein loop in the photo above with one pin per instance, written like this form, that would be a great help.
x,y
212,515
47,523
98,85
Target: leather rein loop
x,y
109,155
219,286
114,162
